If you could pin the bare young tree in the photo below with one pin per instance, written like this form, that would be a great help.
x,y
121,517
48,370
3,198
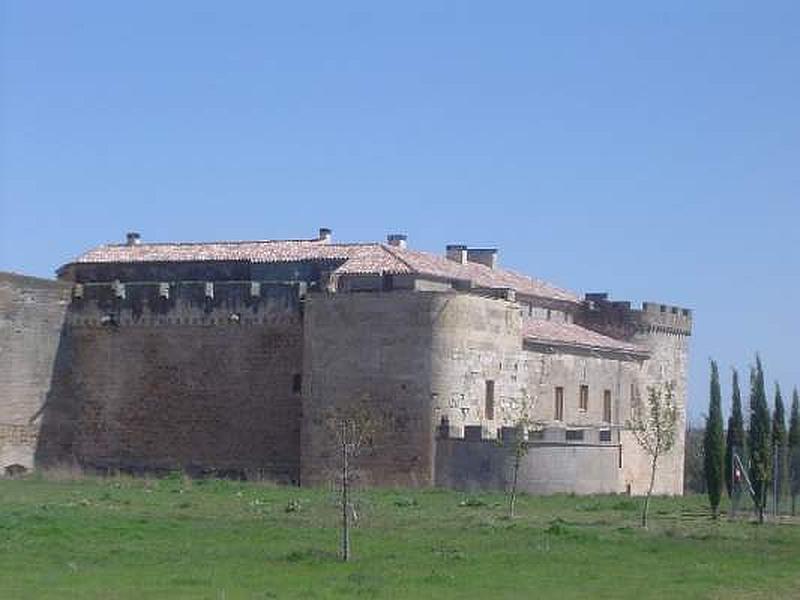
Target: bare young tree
x,y
654,425
519,445
354,429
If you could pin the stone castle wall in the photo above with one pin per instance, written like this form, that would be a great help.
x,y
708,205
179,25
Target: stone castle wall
x,y
664,330
370,350
31,318
473,462
185,376
479,340
666,334
245,377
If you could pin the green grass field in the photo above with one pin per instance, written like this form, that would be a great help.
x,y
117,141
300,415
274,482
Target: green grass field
x,y
174,538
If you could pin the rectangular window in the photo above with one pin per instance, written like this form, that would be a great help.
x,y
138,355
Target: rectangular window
x,y
297,383
605,435
489,400
634,399
574,435
583,399
559,408
607,406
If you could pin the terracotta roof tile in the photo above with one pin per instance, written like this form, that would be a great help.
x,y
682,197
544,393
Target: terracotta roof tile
x,y
372,258
357,259
539,330
256,251
480,275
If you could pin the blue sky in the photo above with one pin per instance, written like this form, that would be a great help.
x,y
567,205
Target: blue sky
x,y
651,152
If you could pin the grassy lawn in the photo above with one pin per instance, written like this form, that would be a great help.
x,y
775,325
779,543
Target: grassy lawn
x,y
173,538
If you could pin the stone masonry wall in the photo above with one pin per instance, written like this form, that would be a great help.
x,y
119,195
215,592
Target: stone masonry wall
x,y
31,316
665,332
425,359
372,350
667,338
184,377
478,340
475,463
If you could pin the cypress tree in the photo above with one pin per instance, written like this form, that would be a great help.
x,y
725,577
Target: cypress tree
x,y
779,443
735,435
759,439
794,450
713,444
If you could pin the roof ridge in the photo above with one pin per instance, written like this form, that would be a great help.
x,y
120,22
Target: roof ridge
x,y
232,242
534,279
238,242
394,254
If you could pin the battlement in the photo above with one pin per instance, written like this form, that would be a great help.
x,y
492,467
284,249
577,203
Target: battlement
x,y
622,320
672,318
153,303
548,436
556,462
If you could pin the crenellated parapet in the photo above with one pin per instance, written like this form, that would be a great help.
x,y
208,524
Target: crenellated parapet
x,y
661,318
157,303
474,459
621,320
547,436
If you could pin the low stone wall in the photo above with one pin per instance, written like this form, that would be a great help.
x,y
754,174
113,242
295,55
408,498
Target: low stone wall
x,y
473,463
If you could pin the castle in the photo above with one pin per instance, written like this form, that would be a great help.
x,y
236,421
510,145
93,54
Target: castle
x,y
225,358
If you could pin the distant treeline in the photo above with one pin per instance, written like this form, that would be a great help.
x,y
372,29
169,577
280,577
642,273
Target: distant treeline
x,y
756,457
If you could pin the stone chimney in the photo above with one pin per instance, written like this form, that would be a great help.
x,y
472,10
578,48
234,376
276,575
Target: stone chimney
x,y
133,239
483,256
325,234
398,240
456,253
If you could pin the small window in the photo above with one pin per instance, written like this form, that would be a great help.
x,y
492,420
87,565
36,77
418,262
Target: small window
x,y
489,400
607,406
559,407
605,435
574,435
583,399
297,383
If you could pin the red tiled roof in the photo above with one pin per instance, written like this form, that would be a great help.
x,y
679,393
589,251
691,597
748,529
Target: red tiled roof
x,y
257,251
365,258
373,258
480,275
539,330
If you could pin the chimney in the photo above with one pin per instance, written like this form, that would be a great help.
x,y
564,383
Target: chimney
x,y
398,240
456,253
325,234
483,256
133,239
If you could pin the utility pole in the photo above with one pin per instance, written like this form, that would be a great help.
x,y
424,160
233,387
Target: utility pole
x,y
734,483
775,476
345,499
